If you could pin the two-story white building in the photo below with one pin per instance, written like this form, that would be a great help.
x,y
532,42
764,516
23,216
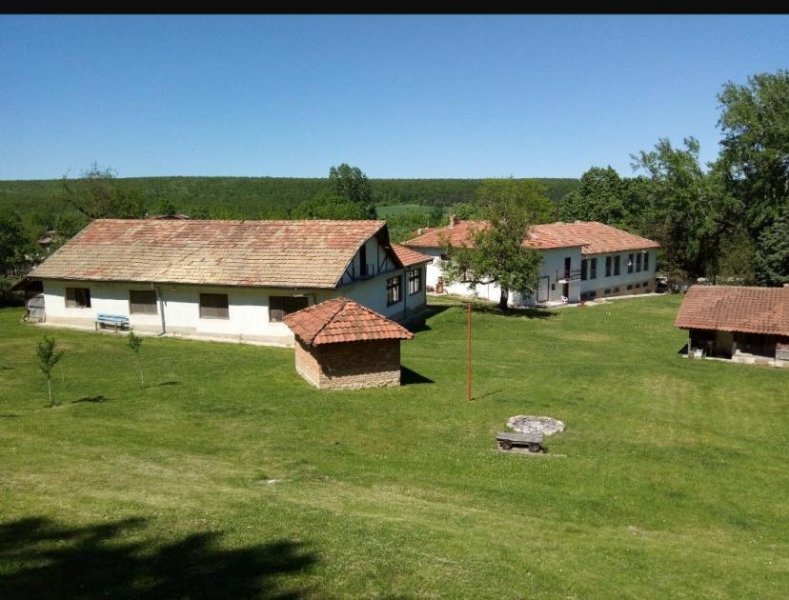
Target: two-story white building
x,y
580,261
232,280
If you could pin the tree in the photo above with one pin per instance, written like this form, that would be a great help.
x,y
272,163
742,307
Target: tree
x,y
135,343
685,207
351,184
755,145
754,160
13,241
48,357
97,194
772,255
601,197
494,252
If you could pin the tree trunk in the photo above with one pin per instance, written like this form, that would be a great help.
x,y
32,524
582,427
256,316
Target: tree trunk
x,y
503,299
49,389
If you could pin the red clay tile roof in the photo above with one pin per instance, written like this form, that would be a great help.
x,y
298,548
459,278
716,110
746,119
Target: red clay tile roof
x,y
239,253
409,257
735,308
593,237
460,234
343,320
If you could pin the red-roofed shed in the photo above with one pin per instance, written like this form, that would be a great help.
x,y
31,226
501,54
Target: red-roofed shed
x,y
341,344
746,324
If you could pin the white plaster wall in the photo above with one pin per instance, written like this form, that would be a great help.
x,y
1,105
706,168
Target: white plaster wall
x,y
248,308
624,278
552,267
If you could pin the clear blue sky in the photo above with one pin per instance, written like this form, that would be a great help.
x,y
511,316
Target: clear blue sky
x,y
399,96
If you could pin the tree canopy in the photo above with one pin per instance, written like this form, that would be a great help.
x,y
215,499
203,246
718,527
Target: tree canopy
x,y
495,253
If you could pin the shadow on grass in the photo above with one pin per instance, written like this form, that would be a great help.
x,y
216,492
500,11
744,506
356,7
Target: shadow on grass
x,y
93,399
486,394
169,383
46,560
8,416
431,311
527,313
409,377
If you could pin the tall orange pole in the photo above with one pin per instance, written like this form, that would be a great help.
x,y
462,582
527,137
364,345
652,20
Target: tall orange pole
x,y
468,351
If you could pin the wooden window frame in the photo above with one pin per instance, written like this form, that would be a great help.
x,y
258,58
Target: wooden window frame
x,y
77,297
212,306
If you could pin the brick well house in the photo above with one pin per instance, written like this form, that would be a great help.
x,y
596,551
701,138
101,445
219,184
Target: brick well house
x,y
341,344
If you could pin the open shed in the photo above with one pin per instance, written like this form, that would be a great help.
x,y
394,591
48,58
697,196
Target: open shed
x,y
744,324
341,344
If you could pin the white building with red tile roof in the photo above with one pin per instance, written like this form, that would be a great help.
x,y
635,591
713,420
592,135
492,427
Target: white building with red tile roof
x,y
227,279
581,261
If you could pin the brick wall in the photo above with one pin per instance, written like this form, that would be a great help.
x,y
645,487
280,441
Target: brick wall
x,y
350,365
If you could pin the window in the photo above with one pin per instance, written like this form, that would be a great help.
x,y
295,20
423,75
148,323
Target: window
x,y
593,268
142,302
646,261
77,297
393,290
638,262
629,263
584,265
279,306
616,265
414,281
608,266
214,306
363,260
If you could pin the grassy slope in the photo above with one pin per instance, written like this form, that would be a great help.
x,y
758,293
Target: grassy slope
x,y
670,480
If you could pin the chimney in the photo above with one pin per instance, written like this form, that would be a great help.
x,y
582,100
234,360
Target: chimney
x,y
452,221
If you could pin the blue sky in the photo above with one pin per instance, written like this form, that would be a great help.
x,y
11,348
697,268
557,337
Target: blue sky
x,y
399,96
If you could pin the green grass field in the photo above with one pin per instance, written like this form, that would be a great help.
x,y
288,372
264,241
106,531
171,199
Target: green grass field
x,y
228,476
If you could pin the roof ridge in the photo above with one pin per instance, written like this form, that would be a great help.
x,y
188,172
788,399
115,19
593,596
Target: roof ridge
x,y
341,301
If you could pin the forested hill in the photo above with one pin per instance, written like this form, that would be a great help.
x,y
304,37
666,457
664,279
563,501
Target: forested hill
x,y
254,197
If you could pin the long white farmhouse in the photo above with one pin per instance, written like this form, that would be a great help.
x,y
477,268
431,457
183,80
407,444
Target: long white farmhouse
x,y
232,280
581,261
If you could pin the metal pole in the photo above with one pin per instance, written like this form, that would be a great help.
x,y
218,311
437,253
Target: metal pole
x,y
468,351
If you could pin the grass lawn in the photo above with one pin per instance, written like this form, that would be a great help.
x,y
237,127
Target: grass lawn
x,y
227,476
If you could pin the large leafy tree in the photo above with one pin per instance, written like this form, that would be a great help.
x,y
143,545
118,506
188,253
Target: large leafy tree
x,y
601,197
685,207
754,162
494,251
755,145
350,184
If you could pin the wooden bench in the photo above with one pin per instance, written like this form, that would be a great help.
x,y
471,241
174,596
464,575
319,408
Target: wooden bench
x,y
508,439
115,321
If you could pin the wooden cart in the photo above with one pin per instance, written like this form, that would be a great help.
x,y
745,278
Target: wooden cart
x,y
509,439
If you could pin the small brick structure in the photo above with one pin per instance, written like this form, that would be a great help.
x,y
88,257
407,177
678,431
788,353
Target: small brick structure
x,y
341,344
